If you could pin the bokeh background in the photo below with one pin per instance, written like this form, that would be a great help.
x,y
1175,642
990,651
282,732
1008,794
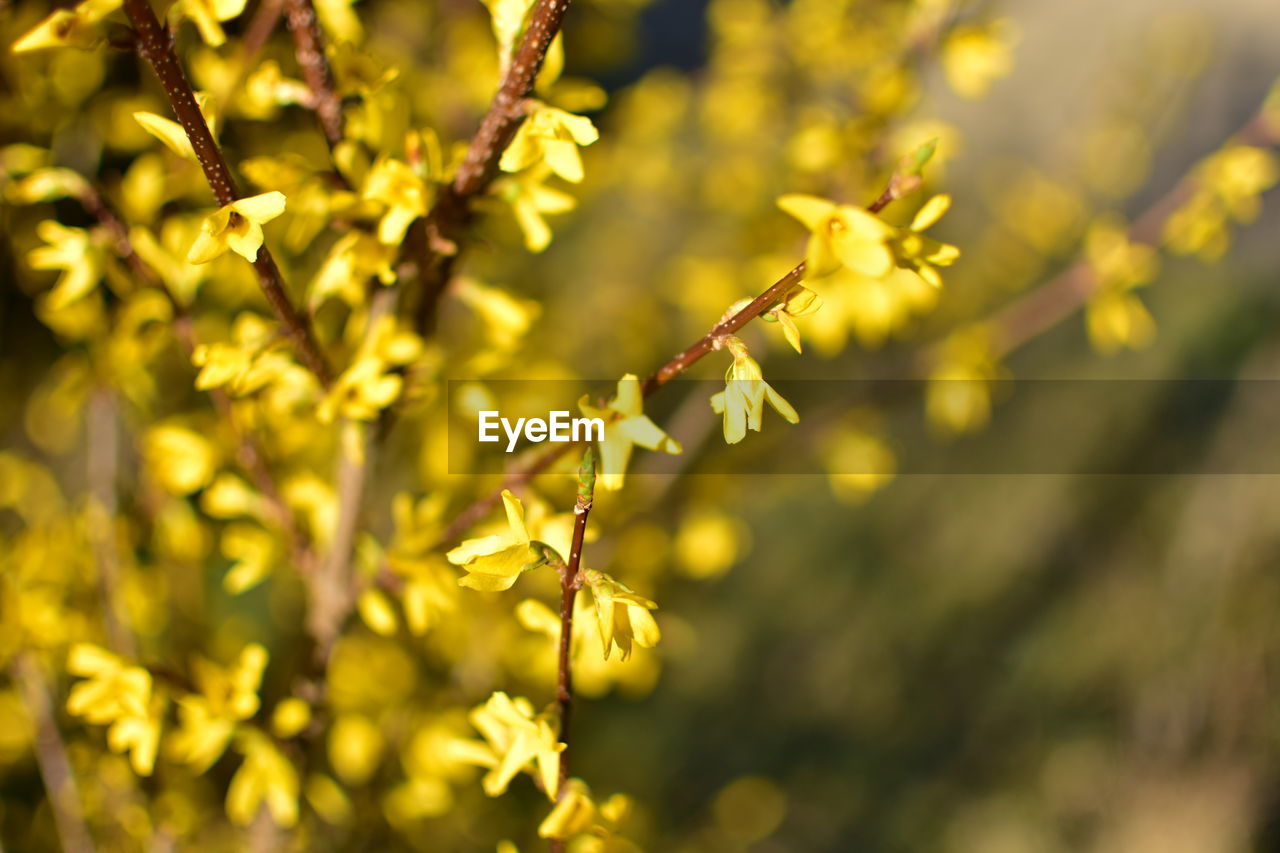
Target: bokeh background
x,y
889,663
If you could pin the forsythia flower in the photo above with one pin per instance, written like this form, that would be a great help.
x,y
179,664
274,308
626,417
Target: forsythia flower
x,y
352,261
623,616
1114,316
118,695
958,395
550,136
75,27
920,253
394,185
181,460
494,562
237,227
171,133
530,198
207,15
974,57
799,302
1238,175
265,775
248,363
253,552
625,426
72,251
516,740
576,813
745,393
841,235
368,386
226,697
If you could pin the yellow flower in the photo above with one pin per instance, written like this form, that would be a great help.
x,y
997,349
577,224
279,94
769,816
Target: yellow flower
x,y
75,27
371,384
1115,317
841,235
172,134
252,360
516,740
117,695
576,813
48,184
72,251
622,615
209,718
975,56
207,15
625,426
530,198
237,227
920,253
494,562
799,302
252,551
1238,175
394,185
550,136
265,775
181,460
352,261
744,395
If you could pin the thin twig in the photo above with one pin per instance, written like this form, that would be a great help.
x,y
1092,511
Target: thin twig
x,y
51,756
570,583
448,219
673,368
155,47
300,15
1038,311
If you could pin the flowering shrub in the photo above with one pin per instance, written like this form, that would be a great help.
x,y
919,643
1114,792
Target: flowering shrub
x,y
262,257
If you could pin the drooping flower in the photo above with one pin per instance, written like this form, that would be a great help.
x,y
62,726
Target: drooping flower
x,y
74,27
625,426
920,253
265,776
744,395
237,226
208,16
841,235
402,193
530,198
515,740
623,616
226,696
550,136
494,562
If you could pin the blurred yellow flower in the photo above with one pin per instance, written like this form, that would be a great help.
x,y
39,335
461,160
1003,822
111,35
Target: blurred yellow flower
x,y
976,55
237,226
74,27
403,195
208,718
118,695
265,776
530,198
207,15
71,250
181,460
515,740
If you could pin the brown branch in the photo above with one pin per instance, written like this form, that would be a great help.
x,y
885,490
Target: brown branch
x,y
300,15
155,46
673,368
1040,310
570,583
51,756
448,219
